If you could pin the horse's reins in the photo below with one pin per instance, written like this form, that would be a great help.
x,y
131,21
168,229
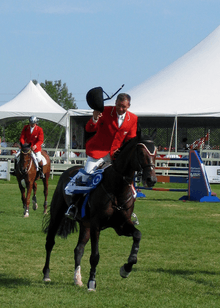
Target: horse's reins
x,y
121,207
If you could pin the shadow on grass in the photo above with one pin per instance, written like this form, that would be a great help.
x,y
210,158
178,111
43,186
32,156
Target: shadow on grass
x,y
189,275
162,199
13,282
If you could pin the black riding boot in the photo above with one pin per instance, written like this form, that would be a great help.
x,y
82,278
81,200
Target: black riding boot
x,y
41,173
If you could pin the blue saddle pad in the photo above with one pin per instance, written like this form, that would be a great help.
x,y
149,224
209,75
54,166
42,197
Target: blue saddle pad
x,y
85,184
91,182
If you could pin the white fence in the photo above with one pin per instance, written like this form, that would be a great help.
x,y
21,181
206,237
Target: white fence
x,y
175,165
58,157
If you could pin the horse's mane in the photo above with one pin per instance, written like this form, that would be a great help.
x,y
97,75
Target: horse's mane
x,y
148,141
124,152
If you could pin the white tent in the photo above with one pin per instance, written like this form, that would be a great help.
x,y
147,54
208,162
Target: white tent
x,y
189,87
32,100
187,91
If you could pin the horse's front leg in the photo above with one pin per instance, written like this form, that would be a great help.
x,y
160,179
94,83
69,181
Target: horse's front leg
x,y
84,236
23,198
129,229
94,258
29,189
34,198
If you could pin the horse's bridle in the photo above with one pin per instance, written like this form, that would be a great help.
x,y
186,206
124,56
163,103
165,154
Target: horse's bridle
x,y
26,170
150,155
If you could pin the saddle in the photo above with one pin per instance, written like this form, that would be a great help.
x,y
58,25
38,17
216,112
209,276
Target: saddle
x,y
84,183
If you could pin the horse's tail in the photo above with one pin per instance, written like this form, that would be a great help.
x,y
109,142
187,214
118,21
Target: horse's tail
x,y
56,221
66,226
46,222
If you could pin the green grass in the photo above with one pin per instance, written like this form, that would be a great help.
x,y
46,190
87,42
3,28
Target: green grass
x,y
178,260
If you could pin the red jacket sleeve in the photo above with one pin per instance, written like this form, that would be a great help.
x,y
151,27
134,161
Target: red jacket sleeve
x,y
22,137
91,126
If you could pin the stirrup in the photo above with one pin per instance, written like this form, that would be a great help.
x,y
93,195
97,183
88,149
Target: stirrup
x,y
72,212
135,219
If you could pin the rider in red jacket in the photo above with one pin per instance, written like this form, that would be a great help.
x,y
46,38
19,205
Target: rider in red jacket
x,y
32,133
109,136
112,127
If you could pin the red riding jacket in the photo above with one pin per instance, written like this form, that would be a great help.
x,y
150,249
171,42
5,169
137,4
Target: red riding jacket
x,y
109,137
36,138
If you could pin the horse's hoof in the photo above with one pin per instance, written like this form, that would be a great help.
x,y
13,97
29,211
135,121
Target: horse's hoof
x,y
46,279
26,214
123,272
92,285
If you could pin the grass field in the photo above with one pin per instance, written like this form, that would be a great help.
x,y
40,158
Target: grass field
x,y
178,261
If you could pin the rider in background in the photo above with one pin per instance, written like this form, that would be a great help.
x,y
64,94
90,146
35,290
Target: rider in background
x,y
32,133
112,126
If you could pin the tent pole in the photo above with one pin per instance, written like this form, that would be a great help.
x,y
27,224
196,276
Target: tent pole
x,y
67,141
176,134
171,138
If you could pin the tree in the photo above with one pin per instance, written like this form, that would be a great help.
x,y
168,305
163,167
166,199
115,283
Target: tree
x,y
59,93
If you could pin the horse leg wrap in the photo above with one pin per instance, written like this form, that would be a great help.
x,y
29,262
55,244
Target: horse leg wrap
x,y
26,213
135,247
77,276
91,285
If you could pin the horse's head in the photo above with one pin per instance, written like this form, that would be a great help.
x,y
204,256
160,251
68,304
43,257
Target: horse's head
x,y
25,148
138,154
25,158
145,160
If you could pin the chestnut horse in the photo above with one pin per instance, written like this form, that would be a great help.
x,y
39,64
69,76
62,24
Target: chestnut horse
x,y
26,173
110,204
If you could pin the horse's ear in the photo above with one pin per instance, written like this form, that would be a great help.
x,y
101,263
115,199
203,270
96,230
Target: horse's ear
x,y
29,145
154,134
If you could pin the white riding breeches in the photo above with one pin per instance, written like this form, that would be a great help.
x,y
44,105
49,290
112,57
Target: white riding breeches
x,y
93,163
38,156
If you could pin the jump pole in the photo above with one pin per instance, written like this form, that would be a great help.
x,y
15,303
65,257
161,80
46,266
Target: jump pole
x,y
198,185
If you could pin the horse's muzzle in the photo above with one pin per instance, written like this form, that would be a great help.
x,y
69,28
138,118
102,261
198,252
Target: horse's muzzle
x,y
149,179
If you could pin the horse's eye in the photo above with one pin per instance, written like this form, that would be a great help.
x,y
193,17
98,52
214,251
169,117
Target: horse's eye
x,y
142,155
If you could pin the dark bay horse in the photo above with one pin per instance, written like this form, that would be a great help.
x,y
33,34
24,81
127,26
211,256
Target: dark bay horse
x,y
27,175
110,205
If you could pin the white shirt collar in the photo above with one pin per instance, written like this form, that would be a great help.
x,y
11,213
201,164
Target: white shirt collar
x,y
122,116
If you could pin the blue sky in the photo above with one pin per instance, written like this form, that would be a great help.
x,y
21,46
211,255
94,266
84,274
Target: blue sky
x,y
93,43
